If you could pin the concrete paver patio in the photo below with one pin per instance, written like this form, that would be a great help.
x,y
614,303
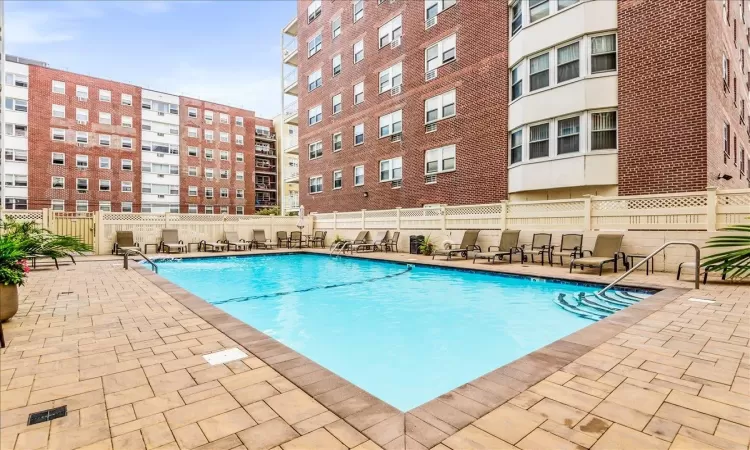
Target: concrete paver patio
x,y
123,350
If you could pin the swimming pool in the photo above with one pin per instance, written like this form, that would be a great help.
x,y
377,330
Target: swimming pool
x,y
405,335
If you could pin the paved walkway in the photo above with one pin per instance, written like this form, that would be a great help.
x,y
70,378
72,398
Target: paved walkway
x,y
123,350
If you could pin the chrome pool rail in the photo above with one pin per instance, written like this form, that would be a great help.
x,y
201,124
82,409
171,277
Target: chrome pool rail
x,y
125,256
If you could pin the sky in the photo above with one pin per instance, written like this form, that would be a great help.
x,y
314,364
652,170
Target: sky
x,y
226,51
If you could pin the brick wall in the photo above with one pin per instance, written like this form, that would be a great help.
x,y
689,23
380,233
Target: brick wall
x,y
41,145
479,128
200,161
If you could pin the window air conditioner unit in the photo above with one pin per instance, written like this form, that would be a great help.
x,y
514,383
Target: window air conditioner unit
x,y
160,113
431,22
395,90
160,134
430,75
396,42
430,179
430,127
81,122
160,196
395,184
82,99
82,191
396,137
81,144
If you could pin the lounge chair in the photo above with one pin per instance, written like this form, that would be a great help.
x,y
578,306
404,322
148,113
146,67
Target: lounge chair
x,y
123,242
170,240
282,239
508,247
571,246
259,239
540,245
296,236
319,238
218,246
373,245
705,269
232,239
391,243
468,244
606,250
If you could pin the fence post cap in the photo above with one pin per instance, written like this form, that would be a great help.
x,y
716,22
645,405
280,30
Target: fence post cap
x,y
712,188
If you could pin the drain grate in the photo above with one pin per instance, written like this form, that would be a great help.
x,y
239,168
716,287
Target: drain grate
x,y
47,415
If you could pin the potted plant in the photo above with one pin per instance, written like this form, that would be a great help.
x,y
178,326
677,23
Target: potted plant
x,y
427,246
338,239
13,270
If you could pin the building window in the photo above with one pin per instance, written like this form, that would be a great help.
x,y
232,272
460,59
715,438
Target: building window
x,y
358,9
239,121
359,134
127,121
223,136
17,80
239,157
359,175
224,174
516,82
336,65
604,53
126,100
359,51
192,191
105,118
58,111
209,172
516,146
313,10
239,210
390,169
240,193
224,193
208,209
58,205
314,80
105,206
604,130
82,161
82,115
104,185
126,165
336,100
208,135
316,185
208,193
192,132
16,203
58,87
126,186
16,180
439,160
105,140
336,27
239,139
390,32
435,7
390,123
12,129
82,206
359,93
315,115
315,150
58,182
82,92
105,162
539,141
568,131
391,77
337,174
538,9
338,142
126,143
209,154
126,207
192,171
440,53
16,155
567,63
539,72
440,107
224,155
240,175
224,118
16,104
105,96
315,44
562,4
208,117
725,71
82,184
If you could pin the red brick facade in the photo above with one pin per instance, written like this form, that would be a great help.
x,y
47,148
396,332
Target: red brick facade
x,y
479,128
672,100
41,145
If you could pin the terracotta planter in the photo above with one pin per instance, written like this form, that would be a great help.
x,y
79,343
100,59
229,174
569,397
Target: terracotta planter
x,y
8,301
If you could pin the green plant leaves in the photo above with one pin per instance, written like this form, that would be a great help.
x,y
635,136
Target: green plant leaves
x,y
735,262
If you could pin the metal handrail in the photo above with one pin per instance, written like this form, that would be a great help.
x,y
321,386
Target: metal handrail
x,y
652,254
127,253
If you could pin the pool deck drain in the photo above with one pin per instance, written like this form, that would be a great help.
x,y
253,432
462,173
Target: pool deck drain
x,y
125,354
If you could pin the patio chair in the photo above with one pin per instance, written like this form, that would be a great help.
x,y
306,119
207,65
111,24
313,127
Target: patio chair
x,y
468,244
296,237
373,245
124,241
259,239
282,239
570,246
540,245
391,243
508,247
705,269
232,239
606,250
319,238
170,240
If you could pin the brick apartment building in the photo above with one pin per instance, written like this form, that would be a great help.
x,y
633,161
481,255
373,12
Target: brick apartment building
x,y
414,103
78,143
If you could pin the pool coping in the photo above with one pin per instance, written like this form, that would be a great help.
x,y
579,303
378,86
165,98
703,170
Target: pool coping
x,y
376,418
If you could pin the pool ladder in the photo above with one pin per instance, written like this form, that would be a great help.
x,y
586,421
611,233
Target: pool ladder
x,y
339,247
125,256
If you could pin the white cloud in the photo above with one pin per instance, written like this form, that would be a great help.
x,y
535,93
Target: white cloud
x,y
36,27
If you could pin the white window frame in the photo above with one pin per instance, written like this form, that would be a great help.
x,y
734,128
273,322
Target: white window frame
x,y
105,185
550,64
192,132
239,175
314,80
390,31
392,166
58,87
79,185
208,153
126,143
82,115
336,59
224,118
192,209
239,139
443,46
58,183
239,210
82,206
208,135
441,5
105,206
192,171
239,157
336,27
519,69
358,50
354,179
16,104
540,5
393,122
126,121
314,10
395,77
359,130
223,192
591,130
239,193
82,92
315,182
315,150
315,115
440,155
57,205
239,121
358,10
336,101
126,186
82,137
340,179
440,103
315,45
223,137
192,112
192,191
208,172
334,141
208,193
359,90
58,111
126,99
82,161
105,118
105,140
557,136
591,53
105,96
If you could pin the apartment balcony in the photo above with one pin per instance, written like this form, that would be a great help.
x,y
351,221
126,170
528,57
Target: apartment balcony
x,y
291,203
265,200
290,53
291,28
268,186
290,83
263,135
265,151
264,165
290,114
291,175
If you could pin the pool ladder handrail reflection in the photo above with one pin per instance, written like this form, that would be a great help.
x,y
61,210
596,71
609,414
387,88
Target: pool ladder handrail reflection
x,y
339,247
129,252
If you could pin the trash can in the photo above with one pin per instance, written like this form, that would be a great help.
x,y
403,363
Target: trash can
x,y
414,243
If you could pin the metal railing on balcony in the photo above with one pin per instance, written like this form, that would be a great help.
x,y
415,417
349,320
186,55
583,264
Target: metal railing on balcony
x,y
290,79
264,150
265,202
290,110
291,173
291,202
259,165
265,134
289,48
269,186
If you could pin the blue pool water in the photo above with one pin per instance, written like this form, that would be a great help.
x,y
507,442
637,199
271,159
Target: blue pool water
x,y
406,337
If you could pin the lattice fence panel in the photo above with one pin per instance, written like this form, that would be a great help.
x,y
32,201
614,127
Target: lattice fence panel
x,y
24,216
672,212
488,217
421,219
732,208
